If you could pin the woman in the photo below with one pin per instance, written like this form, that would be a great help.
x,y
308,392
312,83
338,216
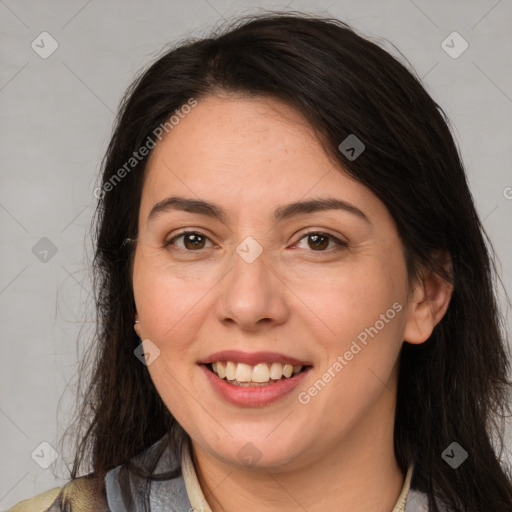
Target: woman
x,y
285,223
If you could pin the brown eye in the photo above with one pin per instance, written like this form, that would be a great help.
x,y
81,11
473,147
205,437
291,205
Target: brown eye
x,y
192,240
318,242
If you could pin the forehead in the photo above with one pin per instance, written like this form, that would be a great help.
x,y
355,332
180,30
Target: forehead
x,y
226,133
243,151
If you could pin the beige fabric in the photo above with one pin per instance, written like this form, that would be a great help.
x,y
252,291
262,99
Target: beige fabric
x,y
199,503
195,494
400,504
38,503
78,495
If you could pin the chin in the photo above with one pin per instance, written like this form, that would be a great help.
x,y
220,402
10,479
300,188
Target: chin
x,y
258,453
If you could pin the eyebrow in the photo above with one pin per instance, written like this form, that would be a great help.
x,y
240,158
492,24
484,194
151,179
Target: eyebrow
x,y
287,211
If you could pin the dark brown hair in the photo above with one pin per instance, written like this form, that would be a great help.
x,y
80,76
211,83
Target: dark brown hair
x,y
452,388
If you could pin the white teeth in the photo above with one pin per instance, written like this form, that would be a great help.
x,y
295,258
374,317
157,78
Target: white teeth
x,y
243,373
219,370
260,373
276,371
230,370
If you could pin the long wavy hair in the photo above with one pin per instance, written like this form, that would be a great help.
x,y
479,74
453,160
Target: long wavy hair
x,y
455,386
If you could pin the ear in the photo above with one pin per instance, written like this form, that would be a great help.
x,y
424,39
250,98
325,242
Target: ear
x,y
136,326
430,299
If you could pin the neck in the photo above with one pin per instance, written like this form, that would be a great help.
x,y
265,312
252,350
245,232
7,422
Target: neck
x,y
359,474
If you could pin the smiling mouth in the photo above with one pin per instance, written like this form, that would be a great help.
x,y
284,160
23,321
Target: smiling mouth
x,y
259,375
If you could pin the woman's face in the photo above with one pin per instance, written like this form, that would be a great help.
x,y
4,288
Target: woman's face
x,y
250,280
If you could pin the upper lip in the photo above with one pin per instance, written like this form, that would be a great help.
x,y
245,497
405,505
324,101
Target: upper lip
x,y
252,358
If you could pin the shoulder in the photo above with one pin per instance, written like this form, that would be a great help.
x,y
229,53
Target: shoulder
x,y
79,495
83,495
38,503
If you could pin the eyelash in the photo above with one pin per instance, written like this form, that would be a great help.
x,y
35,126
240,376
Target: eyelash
x,y
337,241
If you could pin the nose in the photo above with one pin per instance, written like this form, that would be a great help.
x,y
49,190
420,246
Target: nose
x,y
252,295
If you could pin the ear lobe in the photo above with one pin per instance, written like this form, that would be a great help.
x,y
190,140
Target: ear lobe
x,y
430,300
136,327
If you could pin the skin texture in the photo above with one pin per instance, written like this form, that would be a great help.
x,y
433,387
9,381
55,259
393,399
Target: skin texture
x,y
250,156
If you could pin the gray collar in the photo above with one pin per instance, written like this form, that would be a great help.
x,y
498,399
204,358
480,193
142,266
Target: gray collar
x,y
127,492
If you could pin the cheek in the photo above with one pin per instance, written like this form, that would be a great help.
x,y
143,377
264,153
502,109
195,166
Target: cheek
x,y
170,312
353,299
361,314
169,309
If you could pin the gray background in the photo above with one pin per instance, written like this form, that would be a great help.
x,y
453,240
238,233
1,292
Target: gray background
x,y
56,118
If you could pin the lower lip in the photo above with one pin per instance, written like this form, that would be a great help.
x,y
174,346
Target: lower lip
x,y
257,396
